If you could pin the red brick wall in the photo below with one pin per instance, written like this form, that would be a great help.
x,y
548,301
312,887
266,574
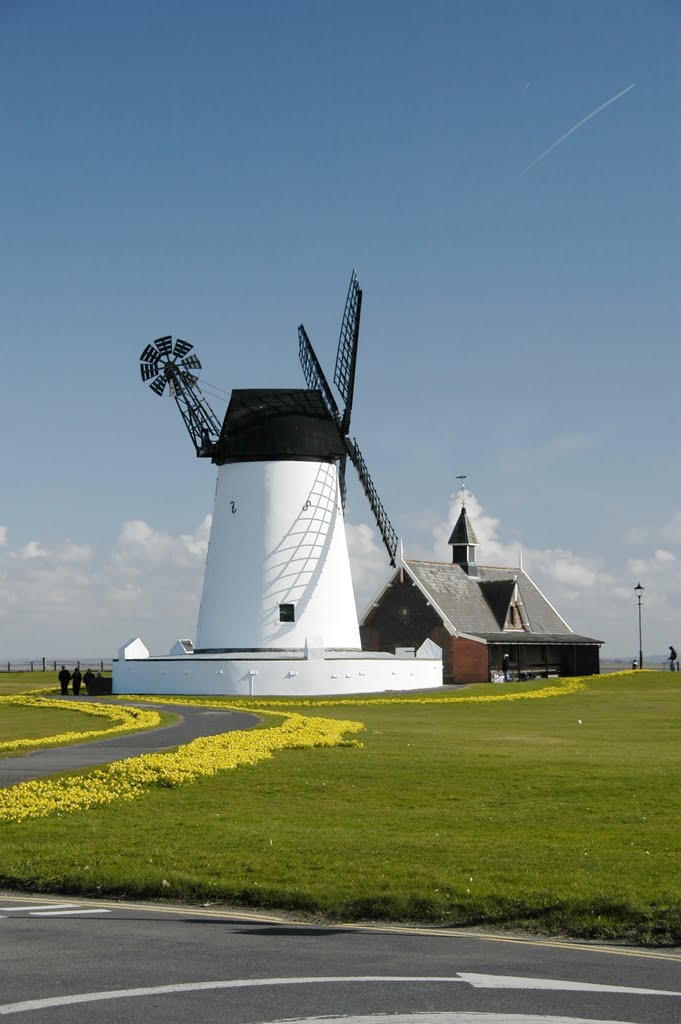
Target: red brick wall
x,y
469,661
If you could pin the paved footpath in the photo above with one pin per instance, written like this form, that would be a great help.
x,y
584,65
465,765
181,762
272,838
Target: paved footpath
x,y
194,722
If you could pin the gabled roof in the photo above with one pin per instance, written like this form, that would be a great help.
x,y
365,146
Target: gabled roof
x,y
474,605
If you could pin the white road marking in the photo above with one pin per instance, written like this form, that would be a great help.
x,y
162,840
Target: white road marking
x,y
33,907
66,913
504,981
199,986
482,981
446,1018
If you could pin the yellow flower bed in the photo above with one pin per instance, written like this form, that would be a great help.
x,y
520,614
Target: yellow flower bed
x,y
561,688
126,780
127,718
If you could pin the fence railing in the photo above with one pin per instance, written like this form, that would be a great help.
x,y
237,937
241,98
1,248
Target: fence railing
x,y
54,664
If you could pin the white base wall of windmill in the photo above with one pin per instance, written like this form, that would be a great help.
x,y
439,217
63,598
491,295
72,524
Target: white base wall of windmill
x,y
277,538
242,674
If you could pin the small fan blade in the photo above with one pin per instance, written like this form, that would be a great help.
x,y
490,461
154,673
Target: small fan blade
x,y
191,363
181,348
158,385
150,355
148,370
164,345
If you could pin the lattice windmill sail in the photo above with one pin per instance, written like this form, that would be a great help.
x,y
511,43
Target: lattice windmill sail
x,y
277,574
344,379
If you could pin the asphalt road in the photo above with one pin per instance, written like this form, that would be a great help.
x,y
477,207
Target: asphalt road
x,y
80,961
193,722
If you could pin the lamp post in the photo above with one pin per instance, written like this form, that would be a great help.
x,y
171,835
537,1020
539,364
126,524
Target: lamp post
x,y
639,593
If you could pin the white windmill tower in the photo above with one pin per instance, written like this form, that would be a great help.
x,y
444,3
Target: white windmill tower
x,y
277,575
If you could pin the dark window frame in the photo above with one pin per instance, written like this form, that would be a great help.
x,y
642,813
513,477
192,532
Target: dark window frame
x,y
287,613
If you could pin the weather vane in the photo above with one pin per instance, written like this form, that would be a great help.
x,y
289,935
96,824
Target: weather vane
x,y
462,490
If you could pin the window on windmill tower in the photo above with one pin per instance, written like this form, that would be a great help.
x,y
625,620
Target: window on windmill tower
x,y
287,613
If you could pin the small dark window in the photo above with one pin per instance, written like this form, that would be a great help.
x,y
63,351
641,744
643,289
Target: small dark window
x,y
287,613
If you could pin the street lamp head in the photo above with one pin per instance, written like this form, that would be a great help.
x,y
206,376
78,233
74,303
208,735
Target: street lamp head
x,y
639,589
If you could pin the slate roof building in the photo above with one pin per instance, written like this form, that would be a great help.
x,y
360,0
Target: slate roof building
x,y
476,614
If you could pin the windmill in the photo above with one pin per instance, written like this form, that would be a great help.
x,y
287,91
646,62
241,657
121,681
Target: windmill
x,y
277,575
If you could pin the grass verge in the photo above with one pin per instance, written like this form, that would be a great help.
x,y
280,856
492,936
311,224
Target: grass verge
x,y
38,724
554,814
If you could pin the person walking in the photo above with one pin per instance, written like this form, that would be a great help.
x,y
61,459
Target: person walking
x,y
76,679
64,678
89,679
672,659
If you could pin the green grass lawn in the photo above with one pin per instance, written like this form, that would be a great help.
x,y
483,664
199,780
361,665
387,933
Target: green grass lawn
x,y
20,682
19,722
509,814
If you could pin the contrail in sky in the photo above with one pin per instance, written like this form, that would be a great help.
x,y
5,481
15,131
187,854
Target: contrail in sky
x,y
575,127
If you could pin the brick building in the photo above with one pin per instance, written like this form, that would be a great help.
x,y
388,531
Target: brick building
x,y
477,614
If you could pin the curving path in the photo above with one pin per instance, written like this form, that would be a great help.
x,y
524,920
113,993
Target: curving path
x,y
194,722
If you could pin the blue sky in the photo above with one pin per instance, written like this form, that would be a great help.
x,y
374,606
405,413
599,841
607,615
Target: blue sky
x,y
215,170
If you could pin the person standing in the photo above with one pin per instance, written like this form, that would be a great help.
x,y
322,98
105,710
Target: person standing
x,y
76,679
672,658
89,679
504,667
64,678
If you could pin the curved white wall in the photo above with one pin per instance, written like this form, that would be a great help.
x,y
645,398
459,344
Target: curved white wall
x,y
201,674
278,537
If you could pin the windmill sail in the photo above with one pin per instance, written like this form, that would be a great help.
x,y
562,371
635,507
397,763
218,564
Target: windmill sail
x,y
314,375
346,356
384,525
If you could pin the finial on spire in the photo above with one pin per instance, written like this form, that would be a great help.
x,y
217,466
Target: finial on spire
x,y
463,491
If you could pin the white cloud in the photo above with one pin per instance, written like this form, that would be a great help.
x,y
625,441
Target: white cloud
x,y
369,563
32,550
68,600
671,531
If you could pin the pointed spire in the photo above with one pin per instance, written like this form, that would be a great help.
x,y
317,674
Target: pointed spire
x,y
464,543
463,532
